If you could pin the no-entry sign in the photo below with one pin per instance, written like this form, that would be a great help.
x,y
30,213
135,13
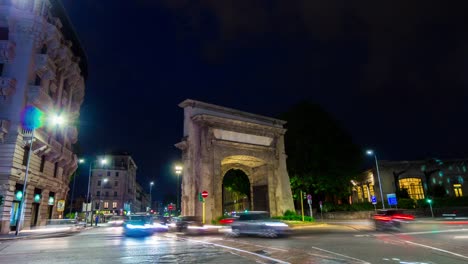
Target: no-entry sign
x,y
204,194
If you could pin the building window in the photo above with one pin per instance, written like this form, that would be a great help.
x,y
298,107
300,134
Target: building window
x,y
56,169
365,192
98,183
114,205
26,155
1,69
359,193
41,168
115,194
4,33
457,189
37,81
413,186
108,173
107,194
116,183
98,193
116,174
106,205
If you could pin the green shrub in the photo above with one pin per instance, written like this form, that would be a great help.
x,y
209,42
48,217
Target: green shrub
x,y
407,204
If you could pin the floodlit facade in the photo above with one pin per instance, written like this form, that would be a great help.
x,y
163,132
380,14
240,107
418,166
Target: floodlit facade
x,y
41,64
418,178
113,185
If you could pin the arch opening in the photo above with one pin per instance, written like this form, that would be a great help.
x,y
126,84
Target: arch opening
x,y
236,191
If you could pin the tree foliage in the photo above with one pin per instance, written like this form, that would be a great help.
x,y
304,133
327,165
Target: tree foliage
x,y
237,181
322,157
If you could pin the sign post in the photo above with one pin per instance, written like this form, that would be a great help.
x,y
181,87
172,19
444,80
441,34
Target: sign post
x,y
321,213
309,201
374,201
392,200
302,206
204,195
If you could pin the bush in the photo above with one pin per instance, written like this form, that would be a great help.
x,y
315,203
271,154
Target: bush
x,y
407,204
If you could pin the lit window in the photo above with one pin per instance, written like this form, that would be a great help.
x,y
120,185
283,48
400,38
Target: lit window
x,y
359,193
457,189
114,205
365,191
106,205
413,186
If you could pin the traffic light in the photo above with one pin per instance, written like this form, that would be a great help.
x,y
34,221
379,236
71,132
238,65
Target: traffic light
x,y
429,200
19,195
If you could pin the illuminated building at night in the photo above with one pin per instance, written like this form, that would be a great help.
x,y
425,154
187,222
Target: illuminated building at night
x,y
41,64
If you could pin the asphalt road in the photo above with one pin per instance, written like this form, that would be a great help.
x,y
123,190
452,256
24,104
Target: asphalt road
x,y
340,242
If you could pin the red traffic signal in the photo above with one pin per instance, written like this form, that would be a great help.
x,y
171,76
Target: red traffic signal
x,y
170,207
204,194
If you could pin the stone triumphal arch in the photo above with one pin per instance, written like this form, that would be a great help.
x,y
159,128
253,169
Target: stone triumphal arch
x,y
218,140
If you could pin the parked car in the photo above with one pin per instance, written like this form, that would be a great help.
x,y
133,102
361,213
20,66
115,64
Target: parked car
x,y
259,223
390,219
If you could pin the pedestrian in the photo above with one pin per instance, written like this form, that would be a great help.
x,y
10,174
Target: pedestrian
x,y
97,219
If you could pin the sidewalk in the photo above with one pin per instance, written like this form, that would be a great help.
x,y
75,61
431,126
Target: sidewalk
x,y
42,233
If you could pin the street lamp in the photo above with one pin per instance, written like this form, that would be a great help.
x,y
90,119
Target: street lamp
x,y
103,162
80,161
151,197
178,171
370,153
31,119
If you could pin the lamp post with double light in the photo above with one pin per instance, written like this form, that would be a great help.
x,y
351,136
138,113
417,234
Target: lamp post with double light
x,y
178,171
80,161
372,153
31,119
151,197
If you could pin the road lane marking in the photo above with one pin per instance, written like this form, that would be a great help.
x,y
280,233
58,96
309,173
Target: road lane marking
x,y
338,254
240,250
437,249
460,237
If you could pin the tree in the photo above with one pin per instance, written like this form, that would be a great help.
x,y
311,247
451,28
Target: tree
x,y
322,157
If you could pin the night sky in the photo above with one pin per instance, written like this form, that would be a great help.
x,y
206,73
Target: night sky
x,y
394,73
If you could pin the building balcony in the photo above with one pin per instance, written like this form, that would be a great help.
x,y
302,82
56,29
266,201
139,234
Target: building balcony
x,y
45,67
38,97
7,86
55,150
40,140
4,126
7,51
66,158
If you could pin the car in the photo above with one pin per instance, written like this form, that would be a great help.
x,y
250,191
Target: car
x,y
259,223
116,221
182,223
141,225
390,219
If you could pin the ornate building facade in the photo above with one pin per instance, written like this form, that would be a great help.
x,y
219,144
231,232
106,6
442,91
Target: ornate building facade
x,y
421,179
41,64
113,185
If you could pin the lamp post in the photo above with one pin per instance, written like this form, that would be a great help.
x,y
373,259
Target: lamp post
x,y
31,119
100,193
178,171
103,162
151,197
370,153
80,161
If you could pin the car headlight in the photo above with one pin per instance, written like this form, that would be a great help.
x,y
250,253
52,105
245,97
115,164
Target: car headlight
x,y
277,224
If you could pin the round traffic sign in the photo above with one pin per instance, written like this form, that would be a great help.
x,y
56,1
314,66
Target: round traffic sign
x,y
309,197
204,194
